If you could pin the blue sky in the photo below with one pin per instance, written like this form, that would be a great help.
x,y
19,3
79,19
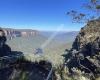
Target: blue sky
x,y
38,14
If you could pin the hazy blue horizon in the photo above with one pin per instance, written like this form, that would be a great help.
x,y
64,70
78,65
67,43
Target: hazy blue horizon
x,y
40,29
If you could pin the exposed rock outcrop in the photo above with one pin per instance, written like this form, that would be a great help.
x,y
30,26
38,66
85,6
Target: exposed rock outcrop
x,y
4,48
85,52
88,34
11,33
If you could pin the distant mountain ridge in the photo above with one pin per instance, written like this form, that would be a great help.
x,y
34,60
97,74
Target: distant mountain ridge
x,y
62,36
11,33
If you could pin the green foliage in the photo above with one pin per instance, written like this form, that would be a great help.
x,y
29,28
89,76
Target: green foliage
x,y
91,5
24,76
52,52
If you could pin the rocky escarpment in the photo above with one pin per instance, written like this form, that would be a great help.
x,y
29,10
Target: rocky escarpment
x,y
88,34
11,33
21,69
85,52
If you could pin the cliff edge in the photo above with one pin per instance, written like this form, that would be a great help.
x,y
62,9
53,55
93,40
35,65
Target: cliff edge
x,y
85,52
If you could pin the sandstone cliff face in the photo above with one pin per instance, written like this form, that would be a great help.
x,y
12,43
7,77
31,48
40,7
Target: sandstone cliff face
x,y
11,33
85,52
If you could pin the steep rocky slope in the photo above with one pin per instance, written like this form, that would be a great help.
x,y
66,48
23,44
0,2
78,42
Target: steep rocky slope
x,y
85,52
88,34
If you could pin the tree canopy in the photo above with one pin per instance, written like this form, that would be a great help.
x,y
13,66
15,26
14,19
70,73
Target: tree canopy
x,y
93,7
